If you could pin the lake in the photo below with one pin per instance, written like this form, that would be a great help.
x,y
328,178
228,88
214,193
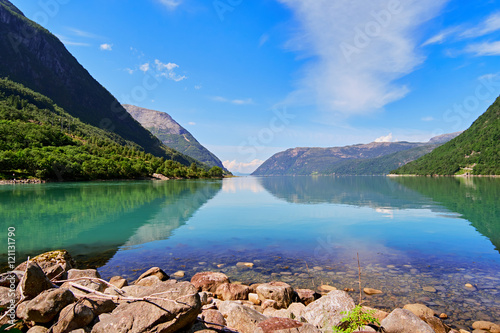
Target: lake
x,y
410,233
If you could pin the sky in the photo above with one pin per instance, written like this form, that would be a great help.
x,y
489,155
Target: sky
x,y
250,78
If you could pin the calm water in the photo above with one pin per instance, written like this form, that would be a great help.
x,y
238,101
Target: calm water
x,y
410,233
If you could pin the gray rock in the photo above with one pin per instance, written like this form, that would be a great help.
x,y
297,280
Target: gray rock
x,y
241,318
154,271
286,325
7,295
72,317
82,274
34,281
11,279
232,292
280,292
53,263
148,281
38,329
404,321
179,308
209,281
325,312
46,306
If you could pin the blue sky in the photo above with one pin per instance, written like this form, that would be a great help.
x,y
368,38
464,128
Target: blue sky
x,y
251,78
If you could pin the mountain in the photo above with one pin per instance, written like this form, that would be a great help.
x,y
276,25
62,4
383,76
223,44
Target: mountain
x,y
34,57
172,134
476,151
376,158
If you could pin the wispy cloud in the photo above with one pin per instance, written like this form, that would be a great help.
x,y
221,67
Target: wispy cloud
x,y
491,24
233,101
170,4
85,34
429,118
191,123
484,49
68,41
166,70
198,87
387,138
106,47
441,37
242,167
129,70
353,64
144,67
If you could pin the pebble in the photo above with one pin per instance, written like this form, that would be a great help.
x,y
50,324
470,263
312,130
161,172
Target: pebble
x,y
429,289
245,264
179,274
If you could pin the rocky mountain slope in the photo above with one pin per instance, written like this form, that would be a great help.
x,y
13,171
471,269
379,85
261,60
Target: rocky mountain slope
x,y
376,158
476,151
34,57
173,135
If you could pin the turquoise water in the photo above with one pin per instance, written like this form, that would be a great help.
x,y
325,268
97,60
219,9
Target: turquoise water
x,y
409,232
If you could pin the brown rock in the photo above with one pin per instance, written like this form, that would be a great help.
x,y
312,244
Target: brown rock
x,y
253,287
209,281
326,288
46,306
148,281
485,325
306,296
254,298
436,324
443,316
269,304
280,292
6,297
326,312
38,329
100,306
241,318
34,281
118,282
72,317
53,263
379,314
419,310
11,279
232,292
371,291
154,271
84,278
213,319
286,325
404,321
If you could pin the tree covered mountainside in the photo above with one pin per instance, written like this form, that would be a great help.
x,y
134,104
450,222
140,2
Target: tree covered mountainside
x,y
37,59
172,134
40,139
476,151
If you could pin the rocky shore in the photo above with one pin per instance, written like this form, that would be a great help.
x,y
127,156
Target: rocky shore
x,y
48,294
21,181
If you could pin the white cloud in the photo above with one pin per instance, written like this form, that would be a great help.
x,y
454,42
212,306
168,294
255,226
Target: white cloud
x,y
491,24
85,34
387,138
67,41
171,4
441,37
167,70
198,87
484,49
106,47
192,123
263,39
242,167
233,101
355,57
145,67
129,70
429,118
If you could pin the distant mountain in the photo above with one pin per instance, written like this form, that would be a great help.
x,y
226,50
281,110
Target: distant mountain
x,y
173,135
376,158
32,56
476,151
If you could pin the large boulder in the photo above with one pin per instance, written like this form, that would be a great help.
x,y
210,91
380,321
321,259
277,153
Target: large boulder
x,y
118,282
53,263
280,292
405,321
295,311
209,281
232,292
11,279
85,278
72,317
154,271
419,310
436,324
241,318
6,297
325,312
213,319
46,306
306,296
286,325
178,307
34,281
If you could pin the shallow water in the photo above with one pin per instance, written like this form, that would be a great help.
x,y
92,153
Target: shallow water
x,y
410,233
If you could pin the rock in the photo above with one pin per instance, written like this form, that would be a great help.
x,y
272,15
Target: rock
x,y
154,271
280,292
6,297
83,275
429,289
38,329
371,291
148,281
443,316
212,317
11,279
436,324
326,311
379,314
295,311
232,292
306,296
269,304
286,325
245,264
179,274
241,318
53,263
326,288
404,321
419,310
34,281
100,306
46,306
254,298
203,298
253,287
72,317
209,281
163,316
486,325
118,282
